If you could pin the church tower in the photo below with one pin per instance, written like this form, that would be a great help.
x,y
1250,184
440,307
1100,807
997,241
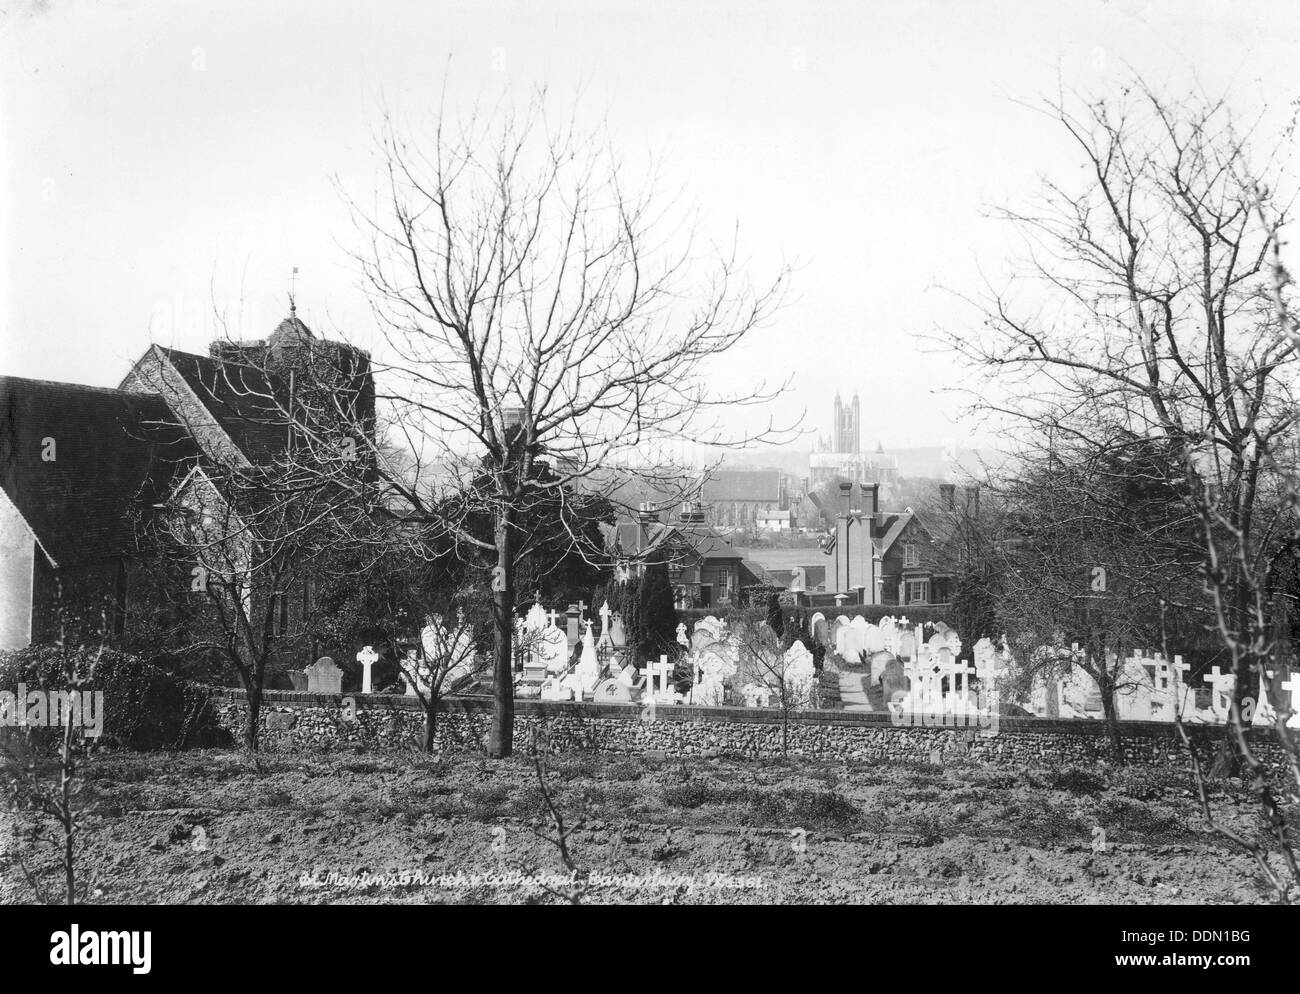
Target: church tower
x,y
856,426
837,425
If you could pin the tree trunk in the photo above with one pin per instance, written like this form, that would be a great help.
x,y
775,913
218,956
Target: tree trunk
x,y
1107,687
431,723
501,739
251,726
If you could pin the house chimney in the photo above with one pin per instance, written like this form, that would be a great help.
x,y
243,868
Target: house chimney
x,y
845,490
872,493
692,513
646,516
948,496
973,499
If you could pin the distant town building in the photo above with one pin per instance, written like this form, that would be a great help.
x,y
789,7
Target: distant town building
x,y
744,498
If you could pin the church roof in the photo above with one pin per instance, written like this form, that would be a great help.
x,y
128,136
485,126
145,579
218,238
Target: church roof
x,y
743,485
77,461
243,399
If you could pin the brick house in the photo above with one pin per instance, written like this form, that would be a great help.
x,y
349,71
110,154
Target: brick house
x,y
883,557
704,568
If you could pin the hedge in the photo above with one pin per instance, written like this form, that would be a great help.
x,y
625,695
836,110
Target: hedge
x,y
144,707
916,614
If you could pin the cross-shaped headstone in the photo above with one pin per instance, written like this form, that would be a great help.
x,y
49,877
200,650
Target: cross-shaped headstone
x,y
367,658
1221,683
1292,687
553,617
960,669
662,669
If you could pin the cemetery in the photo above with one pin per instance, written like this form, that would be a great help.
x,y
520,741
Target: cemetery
x,y
577,676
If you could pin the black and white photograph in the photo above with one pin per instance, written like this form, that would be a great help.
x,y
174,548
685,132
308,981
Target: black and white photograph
x,y
549,452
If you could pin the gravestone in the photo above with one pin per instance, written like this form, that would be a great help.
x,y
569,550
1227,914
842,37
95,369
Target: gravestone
x,y
612,691
873,641
711,667
367,657
616,633
451,648
324,677
588,670
894,683
298,678
800,676
819,628
755,696
907,646
551,649
879,661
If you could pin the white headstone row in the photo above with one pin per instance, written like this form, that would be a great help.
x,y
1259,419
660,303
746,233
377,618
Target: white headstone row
x,y
1151,688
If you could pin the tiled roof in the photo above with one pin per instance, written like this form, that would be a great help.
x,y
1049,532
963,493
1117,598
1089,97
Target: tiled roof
x,y
626,536
113,450
242,399
743,485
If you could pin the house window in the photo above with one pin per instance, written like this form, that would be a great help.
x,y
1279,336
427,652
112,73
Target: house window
x,y
917,591
911,555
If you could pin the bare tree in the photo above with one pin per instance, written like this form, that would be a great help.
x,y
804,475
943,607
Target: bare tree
x,y
1152,316
1104,560
448,650
244,548
763,662
26,756
546,337
1161,311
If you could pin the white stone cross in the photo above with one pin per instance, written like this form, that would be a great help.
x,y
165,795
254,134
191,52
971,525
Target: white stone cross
x,y
964,671
367,658
1292,687
663,669
552,617
1222,683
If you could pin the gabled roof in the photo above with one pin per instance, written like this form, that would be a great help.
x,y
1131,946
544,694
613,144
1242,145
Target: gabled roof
x,y
114,452
743,485
893,526
242,399
627,537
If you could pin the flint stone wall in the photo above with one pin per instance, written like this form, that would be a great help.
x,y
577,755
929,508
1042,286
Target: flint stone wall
x,y
293,720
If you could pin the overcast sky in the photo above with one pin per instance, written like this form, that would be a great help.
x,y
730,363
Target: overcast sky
x,y
157,155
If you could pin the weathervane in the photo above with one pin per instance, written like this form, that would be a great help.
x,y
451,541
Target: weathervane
x,y
293,290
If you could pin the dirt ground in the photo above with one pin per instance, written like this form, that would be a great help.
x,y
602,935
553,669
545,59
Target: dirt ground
x,y
221,827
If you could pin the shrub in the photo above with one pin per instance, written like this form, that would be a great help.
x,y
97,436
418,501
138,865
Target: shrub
x,y
1077,780
144,707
